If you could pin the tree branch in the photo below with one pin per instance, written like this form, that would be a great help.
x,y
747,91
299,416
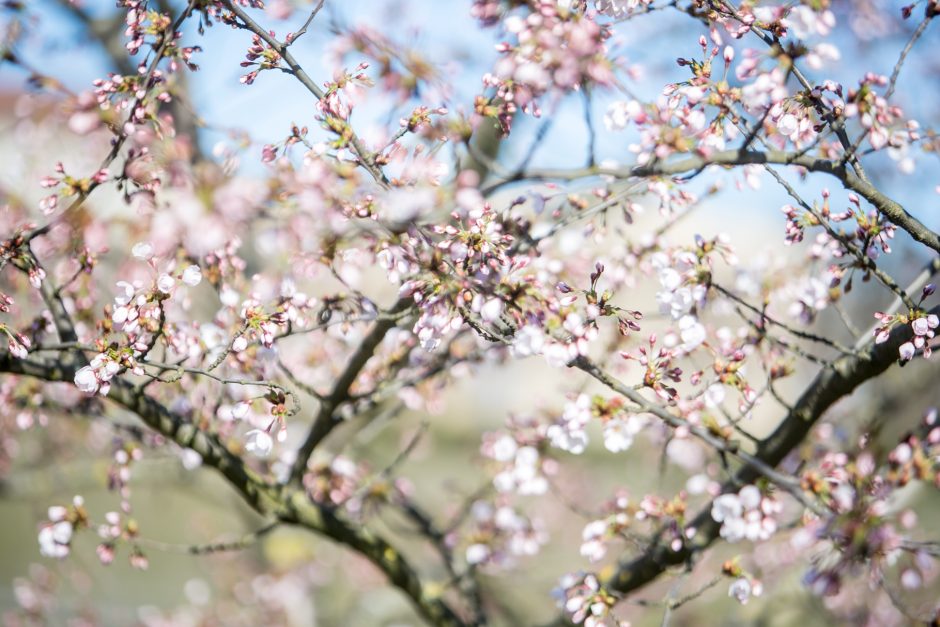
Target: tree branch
x,y
830,385
327,418
891,209
366,157
288,505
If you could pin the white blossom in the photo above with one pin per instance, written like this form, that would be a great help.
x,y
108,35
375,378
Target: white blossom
x,y
504,449
593,546
529,340
747,515
568,438
569,434
740,590
192,276
726,507
54,539
906,351
165,283
619,433
620,113
491,310
477,553
692,333
259,443
143,251
126,293
86,381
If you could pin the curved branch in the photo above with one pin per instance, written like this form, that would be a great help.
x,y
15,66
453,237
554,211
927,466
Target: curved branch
x,y
830,385
288,505
891,209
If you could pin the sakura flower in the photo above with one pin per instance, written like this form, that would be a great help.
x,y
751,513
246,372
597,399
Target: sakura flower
x,y
240,410
568,437
620,113
532,74
677,296
923,332
48,204
36,277
820,54
239,344
259,443
569,434
56,535
907,351
96,376
803,22
54,539
923,326
190,459
504,449
228,296
125,318
230,413
584,600
697,484
477,553
529,340
139,561
126,293
746,515
526,472
86,381
165,283
18,345
280,9
692,333
143,251
619,433
192,276
788,124
765,90
911,579
901,155
740,590
106,553
726,507
491,310
714,395
750,497
593,546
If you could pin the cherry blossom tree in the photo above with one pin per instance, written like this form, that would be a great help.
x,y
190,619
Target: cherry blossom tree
x,y
723,405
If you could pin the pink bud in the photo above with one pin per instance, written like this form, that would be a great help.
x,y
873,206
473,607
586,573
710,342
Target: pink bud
x,y
906,351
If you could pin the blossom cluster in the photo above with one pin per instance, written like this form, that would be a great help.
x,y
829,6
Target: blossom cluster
x,y
553,47
746,515
55,535
498,535
227,293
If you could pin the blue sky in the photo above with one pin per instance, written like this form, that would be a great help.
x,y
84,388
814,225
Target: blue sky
x,y
445,30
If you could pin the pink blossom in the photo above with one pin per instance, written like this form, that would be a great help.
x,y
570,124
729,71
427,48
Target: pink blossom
x,y
86,380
